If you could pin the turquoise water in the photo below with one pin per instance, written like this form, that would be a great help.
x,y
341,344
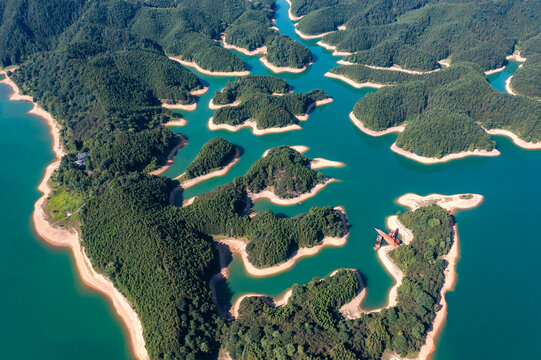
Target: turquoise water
x,y
496,297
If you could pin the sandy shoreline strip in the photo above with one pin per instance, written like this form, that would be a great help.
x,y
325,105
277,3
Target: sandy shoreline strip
x,y
185,107
360,125
279,301
333,48
238,246
170,157
208,72
64,238
199,92
280,69
291,16
516,57
516,140
353,83
429,161
176,122
212,106
508,86
398,68
275,199
220,172
311,37
494,71
253,125
298,148
320,163
259,51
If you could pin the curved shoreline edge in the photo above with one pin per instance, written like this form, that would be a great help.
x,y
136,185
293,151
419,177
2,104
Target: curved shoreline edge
x,y
238,246
353,83
516,140
252,125
280,69
275,199
422,159
194,65
58,237
216,173
183,141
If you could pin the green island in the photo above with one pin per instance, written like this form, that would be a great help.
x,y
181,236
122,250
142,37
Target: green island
x,y
215,154
309,326
417,34
445,111
102,74
246,87
264,100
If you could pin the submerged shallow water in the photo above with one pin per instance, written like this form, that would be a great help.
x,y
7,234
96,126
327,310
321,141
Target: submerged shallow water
x,y
47,306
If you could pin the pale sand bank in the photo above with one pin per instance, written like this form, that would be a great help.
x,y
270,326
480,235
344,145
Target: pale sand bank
x,y
253,125
516,140
176,122
275,199
494,71
312,106
212,106
508,86
280,69
291,16
188,201
360,125
208,72
185,107
311,37
516,57
333,49
220,172
320,163
353,83
429,161
259,51
444,62
238,246
170,157
199,92
65,238
298,148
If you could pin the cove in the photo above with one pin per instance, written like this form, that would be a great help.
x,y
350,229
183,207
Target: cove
x,y
495,271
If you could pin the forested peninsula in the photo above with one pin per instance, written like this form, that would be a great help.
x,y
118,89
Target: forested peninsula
x,y
263,100
100,73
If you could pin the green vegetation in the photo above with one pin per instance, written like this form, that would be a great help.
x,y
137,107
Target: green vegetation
x,y
110,104
527,80
309,326
444,110
248,86
253,30
258,103
283,170
303,7
63,203
416,34
215,154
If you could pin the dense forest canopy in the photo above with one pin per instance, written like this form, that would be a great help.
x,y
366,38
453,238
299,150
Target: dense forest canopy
x,y
445,110
216,153
309,326
265,100
416,34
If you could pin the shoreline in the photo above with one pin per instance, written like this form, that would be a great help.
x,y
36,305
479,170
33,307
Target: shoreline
x,y
494,71
208,72
333,48
320,163
238,246
311,37
64,238
275,302
170,157
446,158
212,106
516,140
280,69
311,108
253,125
359,124
508,86
353,83
298,148
258,51
291,16
515,56
185,107
275,199
216,173
177,122
401,69
200,91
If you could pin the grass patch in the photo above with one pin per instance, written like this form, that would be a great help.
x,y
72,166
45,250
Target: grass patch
x,y
63,203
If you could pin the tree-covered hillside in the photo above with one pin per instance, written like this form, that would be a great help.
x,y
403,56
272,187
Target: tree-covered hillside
x,y
445,110
216,153
309,326
417,34
527,80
